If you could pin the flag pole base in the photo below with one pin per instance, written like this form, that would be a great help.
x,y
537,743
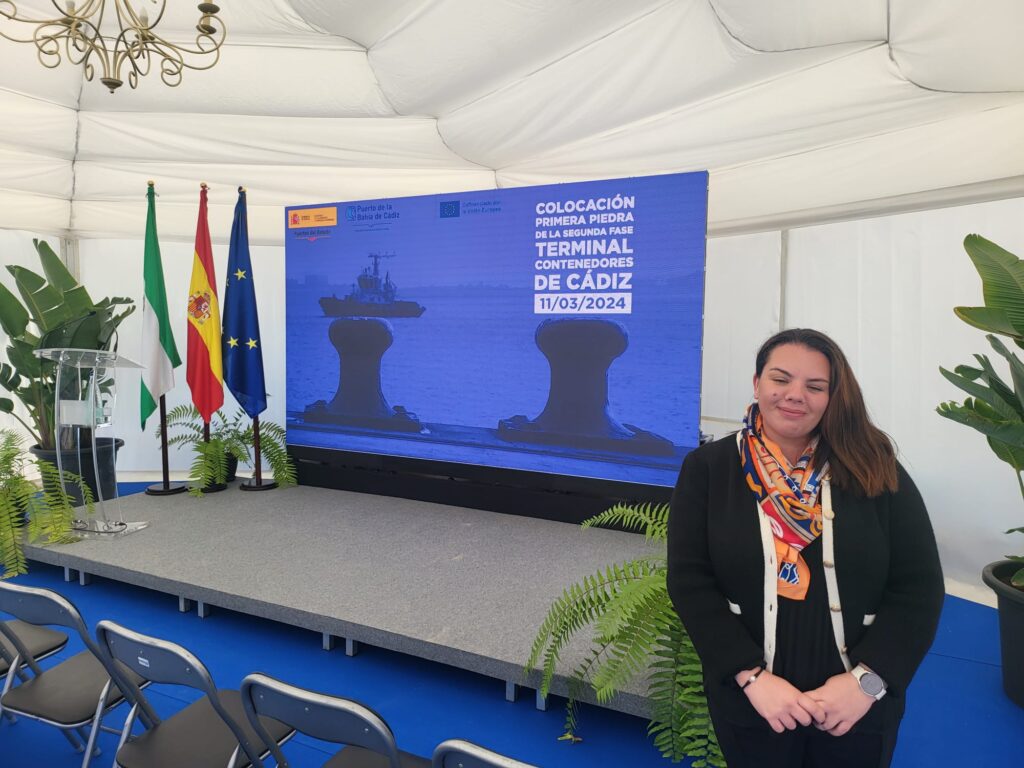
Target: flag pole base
x,y
169,489
252,485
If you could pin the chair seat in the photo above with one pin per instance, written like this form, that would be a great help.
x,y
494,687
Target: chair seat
x,y
197,737
65,694
39,641
357,757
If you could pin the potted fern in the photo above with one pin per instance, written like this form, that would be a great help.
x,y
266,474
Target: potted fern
x,y
995,408
231,437
28,513
635,632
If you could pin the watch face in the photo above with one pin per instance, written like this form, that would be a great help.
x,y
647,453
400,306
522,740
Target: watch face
x,y
871,684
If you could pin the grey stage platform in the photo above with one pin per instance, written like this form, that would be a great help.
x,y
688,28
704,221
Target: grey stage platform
x,y
454,585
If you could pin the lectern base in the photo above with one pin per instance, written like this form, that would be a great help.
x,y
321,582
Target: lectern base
x,y
98,529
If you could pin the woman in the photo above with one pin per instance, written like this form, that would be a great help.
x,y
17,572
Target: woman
x,y
802,562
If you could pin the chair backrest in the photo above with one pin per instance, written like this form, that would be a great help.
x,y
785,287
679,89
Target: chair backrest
x,y
35,605
322,716
41,606
456,753
161,661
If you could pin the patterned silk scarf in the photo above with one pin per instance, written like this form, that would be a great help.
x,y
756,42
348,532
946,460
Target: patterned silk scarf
x,y
788,496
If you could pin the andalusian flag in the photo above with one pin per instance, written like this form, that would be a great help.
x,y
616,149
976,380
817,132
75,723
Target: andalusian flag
x,y
159,352
243,352
204,373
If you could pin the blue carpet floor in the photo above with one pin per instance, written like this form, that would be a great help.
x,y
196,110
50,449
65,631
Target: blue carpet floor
x,y
957,714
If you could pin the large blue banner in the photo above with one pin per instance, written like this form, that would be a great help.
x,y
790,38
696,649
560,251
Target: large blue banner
x,y
553,328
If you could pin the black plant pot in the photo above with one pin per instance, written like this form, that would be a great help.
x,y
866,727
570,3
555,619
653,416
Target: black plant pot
x,y
1011,625
232,468
107,478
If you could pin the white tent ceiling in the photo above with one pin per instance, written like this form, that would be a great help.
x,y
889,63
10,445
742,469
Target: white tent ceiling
x,y
802,110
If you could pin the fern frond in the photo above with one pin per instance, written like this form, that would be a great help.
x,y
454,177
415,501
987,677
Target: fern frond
x,y
636,631
649,519
631,644
273,448
577,682
680,722
209,466
580,605
12,552
52,512
633,597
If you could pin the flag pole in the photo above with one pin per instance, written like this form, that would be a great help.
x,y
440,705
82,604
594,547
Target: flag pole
x,y
170,350
166,488
256,483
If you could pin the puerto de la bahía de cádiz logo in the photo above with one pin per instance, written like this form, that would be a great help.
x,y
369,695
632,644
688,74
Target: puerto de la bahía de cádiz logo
x,y
199,306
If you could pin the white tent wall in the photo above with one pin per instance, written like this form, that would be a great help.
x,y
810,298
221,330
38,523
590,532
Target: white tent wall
x,y
117,266
884,288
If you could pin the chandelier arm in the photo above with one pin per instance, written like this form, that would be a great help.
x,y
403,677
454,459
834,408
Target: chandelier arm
x,y
77,31
9,11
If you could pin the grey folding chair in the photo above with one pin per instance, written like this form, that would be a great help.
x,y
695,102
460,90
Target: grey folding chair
x,y
368,739
456,753
73,695
212,732
40,642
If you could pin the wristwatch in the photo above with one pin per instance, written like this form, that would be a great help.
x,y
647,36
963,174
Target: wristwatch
x,y
870,683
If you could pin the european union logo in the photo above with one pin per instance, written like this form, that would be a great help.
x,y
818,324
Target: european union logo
x,y
451,209
350,212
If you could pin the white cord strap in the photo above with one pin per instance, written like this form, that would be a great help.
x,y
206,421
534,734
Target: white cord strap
x,y
828,557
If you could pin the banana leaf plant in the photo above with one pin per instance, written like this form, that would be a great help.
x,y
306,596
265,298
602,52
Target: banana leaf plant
x,y
54,310
995,406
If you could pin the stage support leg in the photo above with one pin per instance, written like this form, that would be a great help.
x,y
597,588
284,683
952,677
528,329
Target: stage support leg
x,y
329,641
84,579
184,604
69,573
202,609
351,646
511,690
542,702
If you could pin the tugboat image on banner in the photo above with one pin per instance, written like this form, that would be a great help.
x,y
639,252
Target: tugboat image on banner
x,y
372,296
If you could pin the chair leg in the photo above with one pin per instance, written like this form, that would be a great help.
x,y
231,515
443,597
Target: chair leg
x,y
72,739
94,730
8,682
127,730
97,720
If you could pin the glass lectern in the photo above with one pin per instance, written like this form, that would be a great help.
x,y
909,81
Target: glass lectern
x,y
84,431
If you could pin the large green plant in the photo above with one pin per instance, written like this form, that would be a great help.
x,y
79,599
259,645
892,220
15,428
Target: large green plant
x,y
995,407
635,632
229,436
26,512
54,311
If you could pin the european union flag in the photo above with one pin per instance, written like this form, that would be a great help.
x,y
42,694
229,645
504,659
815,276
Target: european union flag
x,y
451,209
242,346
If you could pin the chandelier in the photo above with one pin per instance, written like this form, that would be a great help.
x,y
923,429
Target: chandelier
x,y
81,33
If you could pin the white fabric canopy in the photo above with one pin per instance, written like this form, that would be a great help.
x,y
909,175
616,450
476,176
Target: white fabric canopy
x,y
803,110
806,112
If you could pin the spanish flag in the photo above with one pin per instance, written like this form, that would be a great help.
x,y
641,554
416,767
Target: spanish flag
x,y
204,372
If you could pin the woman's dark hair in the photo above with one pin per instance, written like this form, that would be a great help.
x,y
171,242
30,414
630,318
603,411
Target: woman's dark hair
x,y
861,455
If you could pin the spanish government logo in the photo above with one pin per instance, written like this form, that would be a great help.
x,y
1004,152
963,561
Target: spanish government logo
x,y
199,306
295,219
